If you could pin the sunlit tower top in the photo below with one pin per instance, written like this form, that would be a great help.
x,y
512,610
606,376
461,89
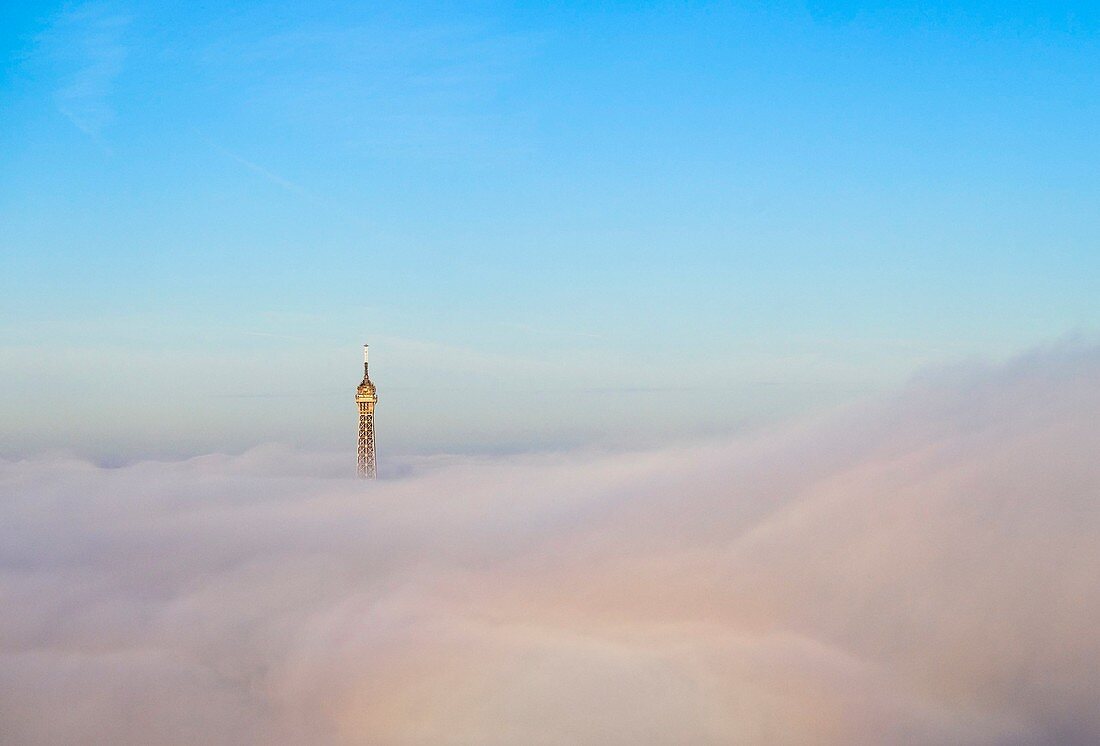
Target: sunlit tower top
x,y
366,396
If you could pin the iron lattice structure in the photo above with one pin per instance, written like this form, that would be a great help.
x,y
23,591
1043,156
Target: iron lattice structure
x,y
366,396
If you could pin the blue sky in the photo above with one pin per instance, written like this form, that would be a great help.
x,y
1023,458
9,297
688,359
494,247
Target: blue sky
x,y
612,223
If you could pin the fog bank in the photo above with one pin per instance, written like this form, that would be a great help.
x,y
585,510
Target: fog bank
x,y
921,569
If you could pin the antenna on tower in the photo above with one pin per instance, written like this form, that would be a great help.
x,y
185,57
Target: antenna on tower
x,y
366,396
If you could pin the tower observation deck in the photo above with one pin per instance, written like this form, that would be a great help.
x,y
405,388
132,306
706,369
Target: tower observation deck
x,y
366,396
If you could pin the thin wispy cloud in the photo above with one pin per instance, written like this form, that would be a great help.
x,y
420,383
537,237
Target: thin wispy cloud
x,y
262,171
269,175
381,88
534,330
329,206
294,337
87,46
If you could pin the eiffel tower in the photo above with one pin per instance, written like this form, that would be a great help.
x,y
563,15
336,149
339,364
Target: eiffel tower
x,y
366,396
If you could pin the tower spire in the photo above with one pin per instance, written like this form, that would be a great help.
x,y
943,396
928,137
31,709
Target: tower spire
x,y
366,396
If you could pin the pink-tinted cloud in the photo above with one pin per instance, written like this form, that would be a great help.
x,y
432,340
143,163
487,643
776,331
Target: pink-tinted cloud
x,y
920,570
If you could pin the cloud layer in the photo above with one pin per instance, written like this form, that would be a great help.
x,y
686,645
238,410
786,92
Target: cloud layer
x,y
919,570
